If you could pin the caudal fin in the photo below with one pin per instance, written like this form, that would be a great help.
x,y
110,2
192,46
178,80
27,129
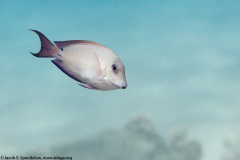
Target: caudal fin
x,y
47,48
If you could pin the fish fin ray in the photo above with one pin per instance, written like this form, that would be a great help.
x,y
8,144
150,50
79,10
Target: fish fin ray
x,y
47,48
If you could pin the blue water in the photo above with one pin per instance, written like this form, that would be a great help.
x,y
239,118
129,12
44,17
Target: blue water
x,y
182,67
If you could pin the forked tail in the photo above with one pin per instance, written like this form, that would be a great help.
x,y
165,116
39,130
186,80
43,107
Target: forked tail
x,y
47,48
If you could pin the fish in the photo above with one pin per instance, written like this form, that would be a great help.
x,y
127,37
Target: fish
x,y
92,65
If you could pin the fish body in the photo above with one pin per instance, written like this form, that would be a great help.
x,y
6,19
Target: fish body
x,y
93,65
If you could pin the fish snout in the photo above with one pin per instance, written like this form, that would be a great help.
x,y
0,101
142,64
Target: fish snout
x,y
123,85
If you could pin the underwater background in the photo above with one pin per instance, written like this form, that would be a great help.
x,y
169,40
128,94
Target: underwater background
x,y
182,61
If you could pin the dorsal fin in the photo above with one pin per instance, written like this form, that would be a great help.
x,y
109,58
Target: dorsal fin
x,y
63,44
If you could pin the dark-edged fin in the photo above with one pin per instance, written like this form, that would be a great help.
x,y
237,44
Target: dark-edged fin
x,y
60,65
47,48
63,44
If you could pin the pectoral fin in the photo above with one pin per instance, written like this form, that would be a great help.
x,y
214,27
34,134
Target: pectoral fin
x,y
60,65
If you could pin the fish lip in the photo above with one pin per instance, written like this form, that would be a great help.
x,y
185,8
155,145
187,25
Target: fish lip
x,y
124,85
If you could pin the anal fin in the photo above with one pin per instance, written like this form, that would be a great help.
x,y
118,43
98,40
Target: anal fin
x,y
60,65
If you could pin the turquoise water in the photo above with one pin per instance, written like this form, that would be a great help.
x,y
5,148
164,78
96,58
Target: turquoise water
x,y
182,67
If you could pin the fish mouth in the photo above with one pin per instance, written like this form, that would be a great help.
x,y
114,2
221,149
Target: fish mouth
x,y
122,86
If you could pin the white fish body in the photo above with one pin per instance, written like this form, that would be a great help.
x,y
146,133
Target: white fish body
x,y
93,65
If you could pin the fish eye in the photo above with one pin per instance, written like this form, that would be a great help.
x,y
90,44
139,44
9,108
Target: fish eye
x,y
114,67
